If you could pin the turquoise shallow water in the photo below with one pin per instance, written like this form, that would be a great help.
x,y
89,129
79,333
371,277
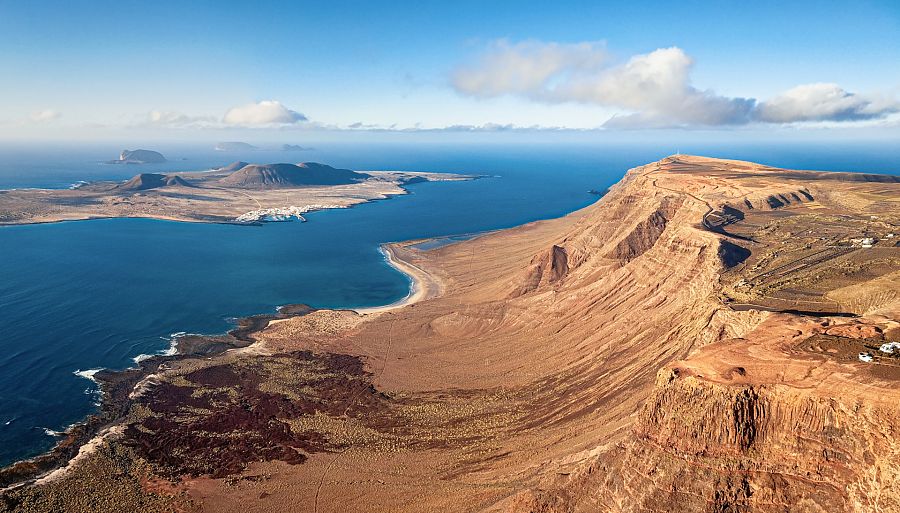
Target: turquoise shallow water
x,y
91,294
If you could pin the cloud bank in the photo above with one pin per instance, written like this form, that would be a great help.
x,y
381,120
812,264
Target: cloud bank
x,y
178,120
264,113
822,102
43,116
654,89
528,68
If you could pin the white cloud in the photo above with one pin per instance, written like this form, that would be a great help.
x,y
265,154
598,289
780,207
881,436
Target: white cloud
x,y
823,102
652,89
43,116
178,120
264,113
657,88
528,68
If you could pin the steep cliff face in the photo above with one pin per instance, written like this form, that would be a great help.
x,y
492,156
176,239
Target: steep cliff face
x,y
711,447
547,267
645,234
747,421
703,446
590,363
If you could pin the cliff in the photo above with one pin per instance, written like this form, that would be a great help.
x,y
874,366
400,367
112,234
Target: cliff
x,y
656,351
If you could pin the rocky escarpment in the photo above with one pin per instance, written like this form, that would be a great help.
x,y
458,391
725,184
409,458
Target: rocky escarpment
x,y
708,446
742,424
772,201
645,234
704,446
548,267
581,364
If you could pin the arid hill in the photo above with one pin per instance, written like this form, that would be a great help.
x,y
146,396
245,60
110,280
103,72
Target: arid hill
x,y
145,181
264,176
684,344
234,166
238,192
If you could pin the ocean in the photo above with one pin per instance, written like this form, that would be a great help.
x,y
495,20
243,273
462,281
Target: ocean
x,y
79,296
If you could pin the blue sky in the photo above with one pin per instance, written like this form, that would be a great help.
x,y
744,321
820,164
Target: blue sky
x,y
197,69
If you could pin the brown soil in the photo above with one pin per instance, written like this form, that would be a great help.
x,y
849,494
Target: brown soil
x,y
589,363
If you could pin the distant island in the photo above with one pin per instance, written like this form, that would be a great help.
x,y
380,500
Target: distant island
x,y
234,146
240,192
294,147
139,157
710,335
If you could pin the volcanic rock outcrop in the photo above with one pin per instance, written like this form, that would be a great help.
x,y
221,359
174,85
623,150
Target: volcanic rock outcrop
x,y
290,175
597,362
146,181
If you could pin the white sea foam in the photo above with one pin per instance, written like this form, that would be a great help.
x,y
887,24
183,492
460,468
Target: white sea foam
x,y
88,374
78,184
172,350
53,433
141,357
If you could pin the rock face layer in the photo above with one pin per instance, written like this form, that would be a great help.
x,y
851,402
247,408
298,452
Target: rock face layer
x,y
589,363
634,387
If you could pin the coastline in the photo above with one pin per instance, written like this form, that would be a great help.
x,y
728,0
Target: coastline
x,y
481,370
423,285
143,204
119,387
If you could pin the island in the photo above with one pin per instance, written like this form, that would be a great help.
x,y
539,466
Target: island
x,y
234,146
139,157
294,147
240,192
709,335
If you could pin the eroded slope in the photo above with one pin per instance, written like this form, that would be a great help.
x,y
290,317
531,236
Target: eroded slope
x,y
596,362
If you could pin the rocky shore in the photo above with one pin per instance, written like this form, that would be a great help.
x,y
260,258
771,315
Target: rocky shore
x,y
586,363
119,387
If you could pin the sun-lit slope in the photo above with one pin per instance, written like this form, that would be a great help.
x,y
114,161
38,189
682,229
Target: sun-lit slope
x,y
573,319
628,357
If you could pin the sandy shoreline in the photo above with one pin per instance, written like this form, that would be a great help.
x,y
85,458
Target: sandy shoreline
x,y
422,284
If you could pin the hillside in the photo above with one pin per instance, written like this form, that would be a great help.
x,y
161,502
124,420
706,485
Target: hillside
x,y
635,356
146,181
290,175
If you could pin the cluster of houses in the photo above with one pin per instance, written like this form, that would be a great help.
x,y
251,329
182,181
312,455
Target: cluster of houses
x,y
865,242
886,348
281,214
868,242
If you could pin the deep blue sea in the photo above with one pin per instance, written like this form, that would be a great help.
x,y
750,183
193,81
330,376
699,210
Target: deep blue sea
x,y
85,295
